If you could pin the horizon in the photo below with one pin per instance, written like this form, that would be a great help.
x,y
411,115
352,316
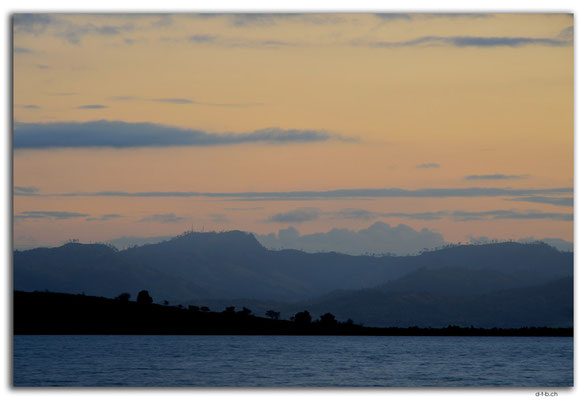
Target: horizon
x,y
273,241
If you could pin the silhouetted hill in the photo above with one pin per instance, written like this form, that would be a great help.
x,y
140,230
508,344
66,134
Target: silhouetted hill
x,y
45,313
93,269
233,265
549,304
460,281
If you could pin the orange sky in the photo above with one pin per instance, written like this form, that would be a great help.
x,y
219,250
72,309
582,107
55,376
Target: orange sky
x,y
408,101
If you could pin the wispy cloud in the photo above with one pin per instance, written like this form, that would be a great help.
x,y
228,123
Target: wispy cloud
x,y
117,134
471,41
510,214
337,194
61,93
456,15
271,19
73,33
175,101
299,215
49,215
412,16
23,50
393,16
203,38
556,201
428,165
169,218
491,177
182,101
26,190
61,26
32,23
105,217
310,214
223,41
92,107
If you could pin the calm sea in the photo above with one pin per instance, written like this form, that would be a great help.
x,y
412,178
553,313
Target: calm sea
x,y
291,361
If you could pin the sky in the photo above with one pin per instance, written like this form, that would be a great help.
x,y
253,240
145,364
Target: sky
x,y
458,125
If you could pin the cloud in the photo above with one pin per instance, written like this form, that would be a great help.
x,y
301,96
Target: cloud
x,y
175,101
337,194
180,101
63,27
31,23
493,177
428,165
299,215
26,190
169,218
92,107
556,201
379,238
393,16
49,215
73,33
411,16
23,50
567,33
309,214
456,15
117,134
469,41
239,42
509,214
61,93
105,217
357,213
202,38
270,19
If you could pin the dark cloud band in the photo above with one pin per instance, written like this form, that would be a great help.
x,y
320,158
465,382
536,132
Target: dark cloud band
x,y
336,194
117,134
300,215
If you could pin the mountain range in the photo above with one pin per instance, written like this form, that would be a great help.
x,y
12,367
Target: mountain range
x,y
499,284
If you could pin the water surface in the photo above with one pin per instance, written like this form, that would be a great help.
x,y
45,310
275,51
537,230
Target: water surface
x,y
291,361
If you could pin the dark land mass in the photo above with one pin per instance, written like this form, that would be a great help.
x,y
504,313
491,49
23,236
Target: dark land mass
x,y
505,285
45,313
549,304
234,265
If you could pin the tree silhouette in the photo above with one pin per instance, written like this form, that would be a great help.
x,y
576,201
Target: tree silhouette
x,y
273,314
303,318
328,319
123,297
144,298
245,311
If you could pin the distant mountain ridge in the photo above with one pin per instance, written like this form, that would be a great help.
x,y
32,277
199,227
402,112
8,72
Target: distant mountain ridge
x,y
438,304
234,265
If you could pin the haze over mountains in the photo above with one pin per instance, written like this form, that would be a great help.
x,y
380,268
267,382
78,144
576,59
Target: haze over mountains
x,y
379,238
499,284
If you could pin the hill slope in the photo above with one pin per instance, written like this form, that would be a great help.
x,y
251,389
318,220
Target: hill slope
x,y
233,265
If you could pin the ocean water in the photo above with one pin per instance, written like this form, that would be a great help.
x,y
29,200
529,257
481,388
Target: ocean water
x,y
285,361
